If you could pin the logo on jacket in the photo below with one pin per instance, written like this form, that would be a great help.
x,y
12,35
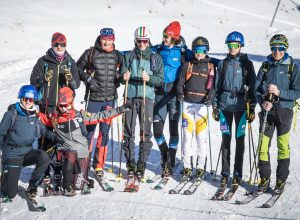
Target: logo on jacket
x,y
175,59
64,67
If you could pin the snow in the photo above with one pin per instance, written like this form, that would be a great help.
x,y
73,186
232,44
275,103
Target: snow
x,y
26,28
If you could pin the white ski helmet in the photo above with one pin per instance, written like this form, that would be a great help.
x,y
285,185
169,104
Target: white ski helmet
x,y
142,33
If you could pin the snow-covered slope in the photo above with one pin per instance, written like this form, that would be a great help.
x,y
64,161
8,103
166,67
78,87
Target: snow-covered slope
x,y
26,28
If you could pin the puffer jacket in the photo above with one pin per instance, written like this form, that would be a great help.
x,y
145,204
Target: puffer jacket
x,y
105,66
47,63
136,62
277,74
231,81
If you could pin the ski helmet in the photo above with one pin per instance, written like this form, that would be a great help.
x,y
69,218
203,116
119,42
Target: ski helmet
x,y
279,39
173,30
142,33
235,37
200,41
65,96
28,91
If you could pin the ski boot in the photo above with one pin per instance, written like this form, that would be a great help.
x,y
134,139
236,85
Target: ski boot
x,y
4,198
263,186
130,170
31,192
236,180
140,170
69,191
48,189
57,189
186,175
90,183
85,189
279,187
200,173
99,173
223,182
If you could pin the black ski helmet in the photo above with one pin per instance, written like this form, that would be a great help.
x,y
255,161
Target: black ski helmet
x,y
200,41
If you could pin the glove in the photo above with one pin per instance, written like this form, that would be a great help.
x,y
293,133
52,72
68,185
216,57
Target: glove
x,y
124,108
251,115
48,75
216,114
180,97
206,101
91,82
67,74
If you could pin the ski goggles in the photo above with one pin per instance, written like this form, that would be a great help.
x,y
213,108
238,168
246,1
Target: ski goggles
x,y
28,99
201,49
144,41
59,44
66,106
233,45
280,49
107,32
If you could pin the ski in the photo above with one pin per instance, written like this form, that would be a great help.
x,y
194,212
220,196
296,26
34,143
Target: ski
x,y
162,183
250,197
32,203
179,187
104,184
192,188
219,193
131,186
271,201
153,179
229,194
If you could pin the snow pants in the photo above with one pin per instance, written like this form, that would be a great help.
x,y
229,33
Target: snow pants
x,y
281,119
194,123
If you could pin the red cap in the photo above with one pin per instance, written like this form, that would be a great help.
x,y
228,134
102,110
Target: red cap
x,y
58,38
65,96
173,30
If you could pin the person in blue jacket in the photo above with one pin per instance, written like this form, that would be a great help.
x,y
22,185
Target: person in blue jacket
x,y
19,128
173,52
277,88
234,87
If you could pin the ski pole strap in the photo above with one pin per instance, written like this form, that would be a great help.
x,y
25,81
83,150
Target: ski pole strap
x,y
295,116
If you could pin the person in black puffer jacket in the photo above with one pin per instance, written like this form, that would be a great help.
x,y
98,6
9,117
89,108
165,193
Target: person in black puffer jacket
x,y
101,64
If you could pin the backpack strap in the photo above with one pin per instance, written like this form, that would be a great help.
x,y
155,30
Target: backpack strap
x,y
189,71
90,58
153,62
223,70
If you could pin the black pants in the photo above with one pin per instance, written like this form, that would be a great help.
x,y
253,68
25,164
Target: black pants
x,y
12,170
226,119
145,135
281,119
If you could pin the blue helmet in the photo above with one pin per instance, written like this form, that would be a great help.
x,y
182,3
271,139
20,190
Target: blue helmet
x,y
28,91
235,37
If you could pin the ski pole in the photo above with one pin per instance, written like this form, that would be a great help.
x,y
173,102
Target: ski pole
x,y
209,140
144,106
112,143
89,93
249,141
215,176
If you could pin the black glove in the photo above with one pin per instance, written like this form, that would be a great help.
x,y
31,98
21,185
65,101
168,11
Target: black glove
x,y
180,97
68,75
251,114
91,82
206,101
216,114
126,107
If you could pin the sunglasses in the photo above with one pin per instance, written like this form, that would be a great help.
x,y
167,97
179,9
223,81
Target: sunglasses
x,y
280,49
233,45
142,41
63,105
59,44
165,36
28,99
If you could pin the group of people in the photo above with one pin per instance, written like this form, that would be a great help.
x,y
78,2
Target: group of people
x,y
163,80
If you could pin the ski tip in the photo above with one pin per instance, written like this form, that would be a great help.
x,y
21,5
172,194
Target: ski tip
x,y
40,209
158,188
172,192
187,192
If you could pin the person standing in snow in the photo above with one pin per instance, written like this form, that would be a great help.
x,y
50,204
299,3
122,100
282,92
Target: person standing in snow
x,y
174,53
277,88
195,90
234,81
142,70
101,64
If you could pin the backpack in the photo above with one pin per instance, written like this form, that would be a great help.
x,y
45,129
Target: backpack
x,y
190,72
153,65
265,67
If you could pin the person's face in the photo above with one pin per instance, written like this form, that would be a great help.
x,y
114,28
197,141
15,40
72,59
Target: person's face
x,y
167,40
59,48
64,107
106,43
27,102
234,48
277,52
142,43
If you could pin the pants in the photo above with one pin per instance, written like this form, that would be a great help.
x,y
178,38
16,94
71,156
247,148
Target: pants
x,y
81,177
12,169
226,119
281,119
145,131
103,137
194,123
70,166
163,105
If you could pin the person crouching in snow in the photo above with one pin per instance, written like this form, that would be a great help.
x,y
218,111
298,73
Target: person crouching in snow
x,y
194,88
19,128
69,124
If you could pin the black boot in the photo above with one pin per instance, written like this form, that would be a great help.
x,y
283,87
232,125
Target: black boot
x,y
140,171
